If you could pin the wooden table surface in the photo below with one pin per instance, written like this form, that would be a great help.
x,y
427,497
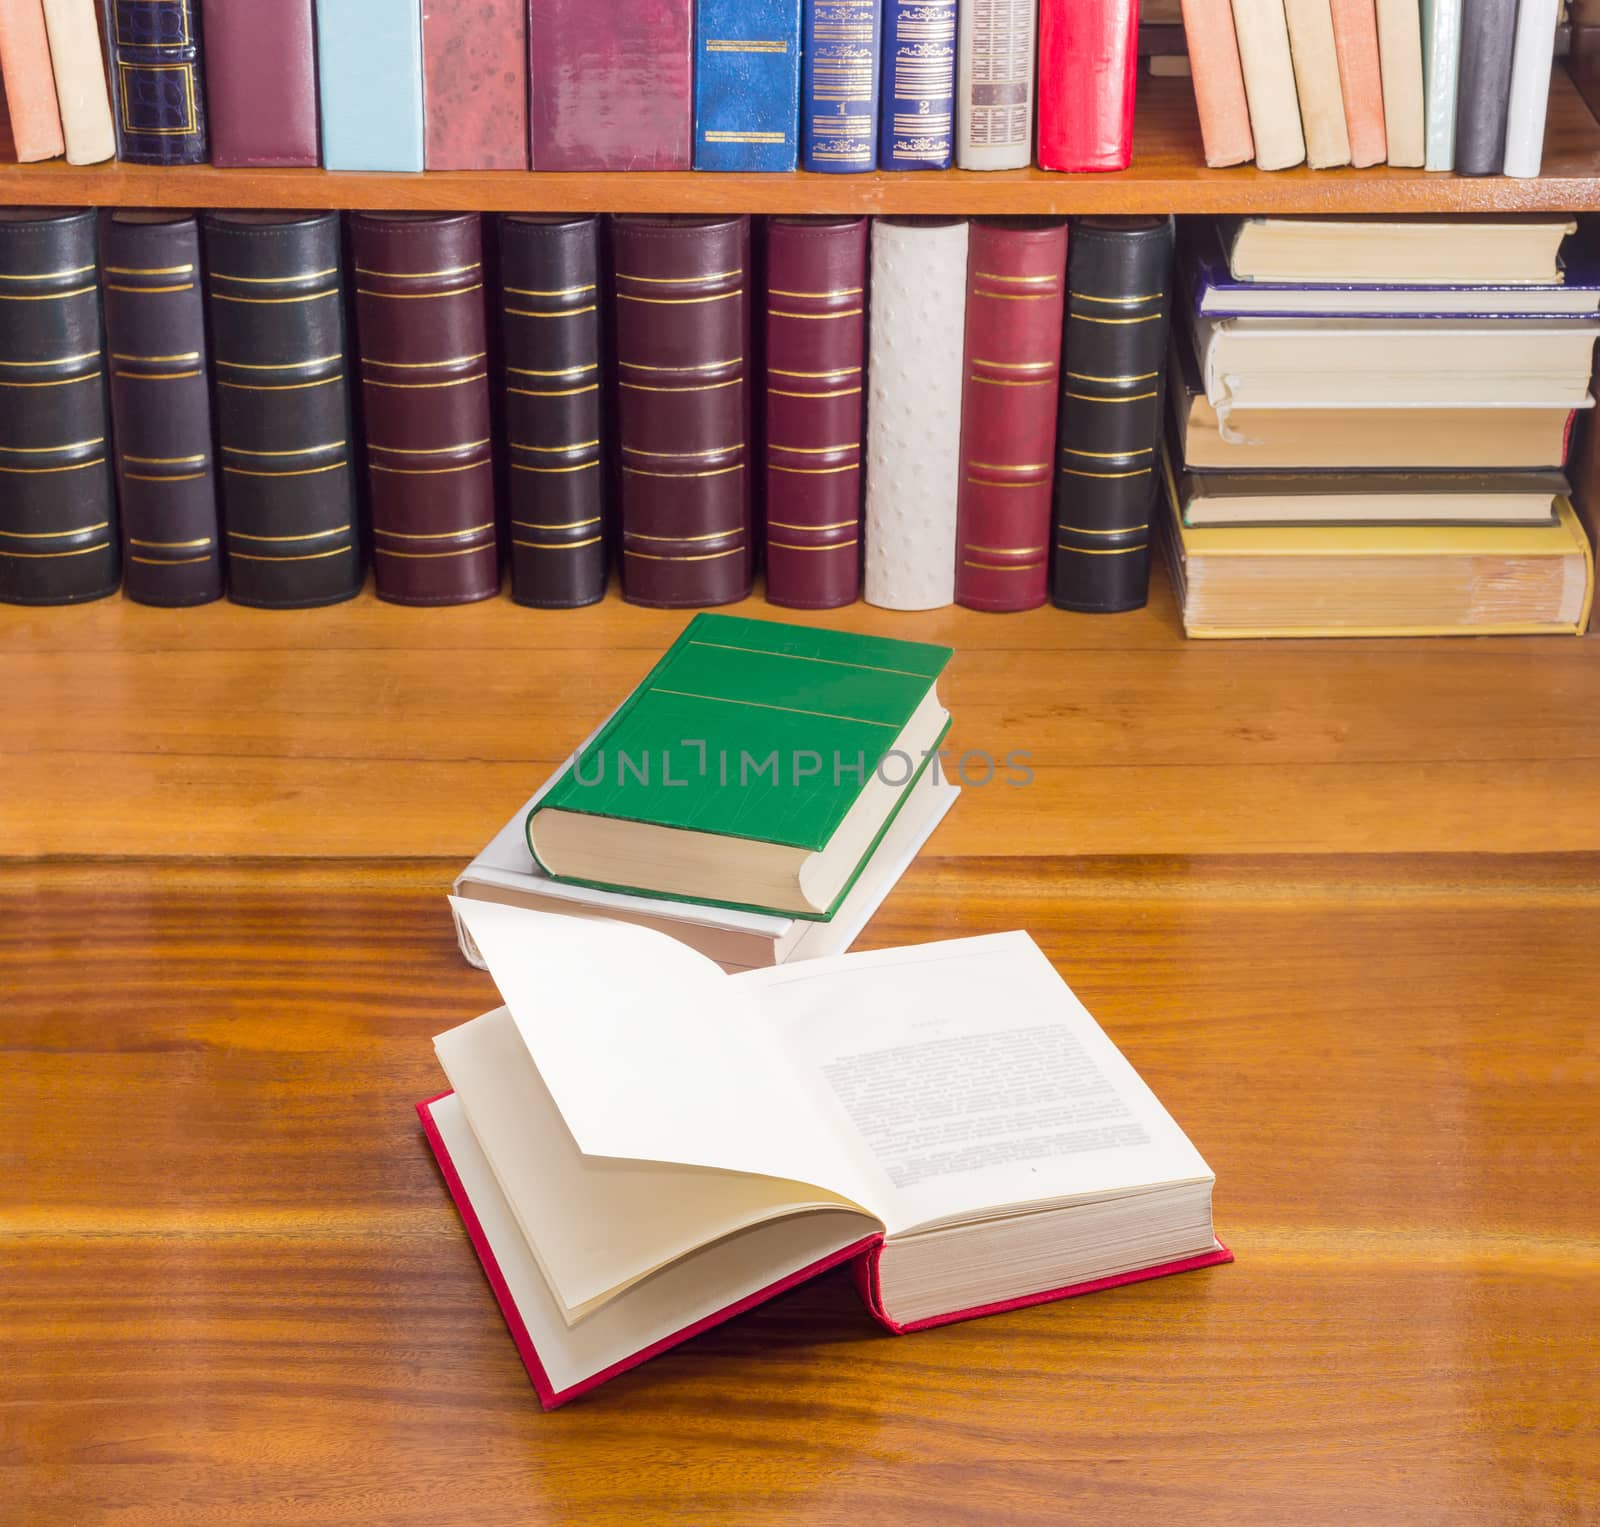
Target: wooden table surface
x,y
1337,902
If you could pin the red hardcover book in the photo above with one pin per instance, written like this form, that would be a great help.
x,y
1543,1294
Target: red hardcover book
x,y
261,83
1088,65
611,84
816,332
1219,96
1016,293
475,84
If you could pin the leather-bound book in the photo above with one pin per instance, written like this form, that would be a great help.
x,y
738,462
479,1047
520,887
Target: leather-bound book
x,y
816,344
839,85
155,78
747,85
1483,91
261,83
1218,82
283,407
1016,289
30,86
423,341
995,72
1088,62
160,407
919,85
369,83
79,66
1119,276
683,414
555,425
475,84
58,536
919,285
611,84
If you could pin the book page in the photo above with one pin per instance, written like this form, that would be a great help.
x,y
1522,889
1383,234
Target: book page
x,y
967,1081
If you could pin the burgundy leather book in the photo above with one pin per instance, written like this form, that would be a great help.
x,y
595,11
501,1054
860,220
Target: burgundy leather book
x,y
261,82
1016,297
556,489
161,408
475,84
816,333
424,348
683,414
611,84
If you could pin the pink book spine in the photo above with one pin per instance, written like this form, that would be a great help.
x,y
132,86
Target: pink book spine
x,y
30,89
475,84
1218,82
1355,41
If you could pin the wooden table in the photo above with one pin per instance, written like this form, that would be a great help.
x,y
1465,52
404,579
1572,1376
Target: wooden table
x,y
1337,902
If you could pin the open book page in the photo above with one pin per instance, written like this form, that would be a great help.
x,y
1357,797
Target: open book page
x,y
595,1224
651,1052
967,1080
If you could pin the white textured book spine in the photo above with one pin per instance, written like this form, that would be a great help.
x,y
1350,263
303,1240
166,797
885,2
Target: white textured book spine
x,y
1400,58
1530,86
1441,64
1269,88
80,72
919,287
995,72
1316,78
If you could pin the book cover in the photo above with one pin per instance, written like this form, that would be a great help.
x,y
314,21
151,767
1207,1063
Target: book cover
x,y
919,85
79,66
1488,31
1264,57
996,56
1355,41
475,84
1400,68
156,81
30,86
369,76
1441,65
1529,96
1218,82
261,83
1088,58
1316,78
839,93
747,85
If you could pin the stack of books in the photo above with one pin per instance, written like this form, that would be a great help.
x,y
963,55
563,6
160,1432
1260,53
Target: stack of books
x,y
1369,424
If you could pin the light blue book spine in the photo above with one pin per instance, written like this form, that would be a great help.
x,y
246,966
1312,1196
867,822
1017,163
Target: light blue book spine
x,y
839,100
1441,64
747,85
919,84
369,69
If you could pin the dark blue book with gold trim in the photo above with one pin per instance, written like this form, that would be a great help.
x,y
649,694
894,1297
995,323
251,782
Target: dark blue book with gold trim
x,y
155,80
747,85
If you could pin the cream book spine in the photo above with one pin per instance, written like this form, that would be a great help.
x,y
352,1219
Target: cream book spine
x,y
1400,60
996,70
80,71
1269,87
1531,54
1316,78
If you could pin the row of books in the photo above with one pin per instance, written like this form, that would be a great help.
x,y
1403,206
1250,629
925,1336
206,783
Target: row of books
x,y
1370,425
575,85
925,410
1442,84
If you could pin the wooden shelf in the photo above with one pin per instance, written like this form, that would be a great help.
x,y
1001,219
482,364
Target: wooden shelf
x,y
1168,175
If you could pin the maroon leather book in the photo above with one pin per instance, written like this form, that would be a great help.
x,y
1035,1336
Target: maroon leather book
x,y
611,84
261,82
816,333
425,395
475,84
683,413
1016,295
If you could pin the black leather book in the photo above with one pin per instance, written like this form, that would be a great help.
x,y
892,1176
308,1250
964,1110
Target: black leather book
x,y
1119,273
554,421
1483,88
283,407
161,407
58,536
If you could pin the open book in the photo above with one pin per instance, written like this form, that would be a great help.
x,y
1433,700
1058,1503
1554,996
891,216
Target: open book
x,y
641,1145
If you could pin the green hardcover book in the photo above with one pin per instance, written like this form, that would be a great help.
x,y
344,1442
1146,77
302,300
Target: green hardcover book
x,y
757,766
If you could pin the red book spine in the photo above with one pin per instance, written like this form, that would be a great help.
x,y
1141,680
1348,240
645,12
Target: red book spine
x,y
816,348
1088,63
1016,296
475,84
261,82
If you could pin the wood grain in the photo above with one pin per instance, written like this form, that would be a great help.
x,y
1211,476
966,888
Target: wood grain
x,y
1168,174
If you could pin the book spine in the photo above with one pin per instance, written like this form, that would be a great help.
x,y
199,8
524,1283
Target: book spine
x,y
683,414
1488,29
1118,276
1218,82
611,84
369,76
155,78
80,74
161,410
475,84
747,85
815,355
1263,36
994,84
1016,293
919,280
1530,87
555,426
423,343
283,408
1355,42
1316,78
29,84
1441,64
1088,63
1400,66
58,538
919,85
839,96
261,83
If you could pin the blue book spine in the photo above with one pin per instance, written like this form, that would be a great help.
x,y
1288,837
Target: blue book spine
x,y
155,77
919,84
369,73
747,85
839,104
